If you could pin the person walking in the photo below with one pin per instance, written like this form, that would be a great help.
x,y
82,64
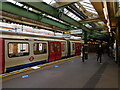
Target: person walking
x,y
99,54
83,54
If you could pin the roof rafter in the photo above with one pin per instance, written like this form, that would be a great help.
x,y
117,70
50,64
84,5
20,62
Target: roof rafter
x,y
11,8
45,8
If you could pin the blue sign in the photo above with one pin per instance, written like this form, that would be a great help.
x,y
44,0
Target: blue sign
x,y
25,76
56,66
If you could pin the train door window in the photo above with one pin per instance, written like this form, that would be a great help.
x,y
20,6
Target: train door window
x,y
57,47
40,48
18,49
52,47
73,45
63,47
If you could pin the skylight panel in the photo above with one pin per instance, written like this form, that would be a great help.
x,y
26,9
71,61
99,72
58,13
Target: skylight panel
x,y
66,11
91,11
77,5
30,9
73,16
87,25
49,1
19,4
89,8
26,7
87,4
87,1
12,1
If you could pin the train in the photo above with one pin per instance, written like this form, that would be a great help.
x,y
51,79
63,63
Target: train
x,y
20,50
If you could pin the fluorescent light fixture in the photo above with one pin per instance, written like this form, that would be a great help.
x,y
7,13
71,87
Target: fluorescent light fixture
x,y
12,1
30,9
105,13
105,10
19,4
109,29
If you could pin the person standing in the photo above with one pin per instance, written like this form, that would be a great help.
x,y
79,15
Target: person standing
x,y
99,54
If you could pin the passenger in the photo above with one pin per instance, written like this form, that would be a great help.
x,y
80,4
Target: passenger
x,y
110,51
99,53
83,54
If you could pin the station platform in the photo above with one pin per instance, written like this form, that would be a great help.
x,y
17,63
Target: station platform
x,y
72,73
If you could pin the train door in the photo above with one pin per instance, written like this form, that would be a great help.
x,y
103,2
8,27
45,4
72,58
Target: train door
x,y
1,55
51,51
78,48
58,51
73,50
54,50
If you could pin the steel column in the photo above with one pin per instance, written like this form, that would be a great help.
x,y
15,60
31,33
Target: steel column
x,y
85,45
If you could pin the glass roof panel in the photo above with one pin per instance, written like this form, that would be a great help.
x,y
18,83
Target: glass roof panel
x,y
73,16
88,6
49,1
12,1
91,11
77,5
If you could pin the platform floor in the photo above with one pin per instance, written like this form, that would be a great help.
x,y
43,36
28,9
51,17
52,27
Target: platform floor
x,y
70,74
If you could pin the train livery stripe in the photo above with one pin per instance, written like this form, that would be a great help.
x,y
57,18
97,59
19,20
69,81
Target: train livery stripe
x,y
1,55
25,65
6,28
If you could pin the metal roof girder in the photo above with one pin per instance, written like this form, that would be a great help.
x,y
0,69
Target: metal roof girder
x,y
11,8
54,12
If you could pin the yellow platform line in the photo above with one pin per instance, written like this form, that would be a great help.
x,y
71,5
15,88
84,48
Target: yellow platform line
x,y
50,63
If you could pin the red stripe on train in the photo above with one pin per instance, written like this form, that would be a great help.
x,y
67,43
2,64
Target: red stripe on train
x,y
1,55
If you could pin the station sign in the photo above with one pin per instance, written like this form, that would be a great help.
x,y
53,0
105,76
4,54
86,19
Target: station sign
x,y
66,34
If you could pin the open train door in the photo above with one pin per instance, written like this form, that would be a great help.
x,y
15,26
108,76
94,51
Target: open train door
x,y
78,48
1,55
51,45
58,51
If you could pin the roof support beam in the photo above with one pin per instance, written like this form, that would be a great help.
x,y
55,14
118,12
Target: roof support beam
x,y
99,8
11,8
90,20
45,8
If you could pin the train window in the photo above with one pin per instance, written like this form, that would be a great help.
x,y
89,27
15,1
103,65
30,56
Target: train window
x,y
51,47
57,47
40,48
73,44
63,47
18,49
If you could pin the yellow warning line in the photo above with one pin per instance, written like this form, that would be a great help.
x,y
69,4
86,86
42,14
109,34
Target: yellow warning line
x,y
50,63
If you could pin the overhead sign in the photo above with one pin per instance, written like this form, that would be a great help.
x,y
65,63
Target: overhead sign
x,y
66,34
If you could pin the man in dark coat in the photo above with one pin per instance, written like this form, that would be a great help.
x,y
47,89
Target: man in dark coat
x,y
99,53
